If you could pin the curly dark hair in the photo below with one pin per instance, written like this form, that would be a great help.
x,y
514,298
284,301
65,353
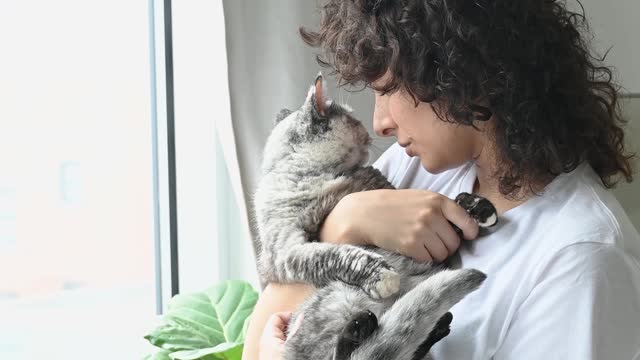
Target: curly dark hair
x,y
527,62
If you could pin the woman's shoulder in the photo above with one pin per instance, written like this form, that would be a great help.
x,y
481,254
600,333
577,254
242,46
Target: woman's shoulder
x,y
587,212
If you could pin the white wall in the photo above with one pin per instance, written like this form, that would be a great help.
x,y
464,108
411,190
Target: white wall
x,y
615,25
629,194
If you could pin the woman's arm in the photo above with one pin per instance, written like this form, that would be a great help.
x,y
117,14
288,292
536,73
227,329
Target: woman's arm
x,y
415,223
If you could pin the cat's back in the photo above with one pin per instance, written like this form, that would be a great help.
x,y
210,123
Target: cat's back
x,y
281,195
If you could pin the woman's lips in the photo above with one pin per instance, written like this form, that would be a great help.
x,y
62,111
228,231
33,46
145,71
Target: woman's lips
x,y
409,152
407,149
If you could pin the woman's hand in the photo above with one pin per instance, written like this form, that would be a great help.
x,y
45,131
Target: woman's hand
x,y
274,335
411,222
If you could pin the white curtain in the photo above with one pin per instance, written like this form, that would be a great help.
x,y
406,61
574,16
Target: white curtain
x,y
270,67
237,257
214,238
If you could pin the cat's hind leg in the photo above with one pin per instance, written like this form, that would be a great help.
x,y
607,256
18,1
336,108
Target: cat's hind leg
x,y
439,332
357,330
403,327
335,320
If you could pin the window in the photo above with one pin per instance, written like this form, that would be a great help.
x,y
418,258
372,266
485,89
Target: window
x,y
93,166
76,186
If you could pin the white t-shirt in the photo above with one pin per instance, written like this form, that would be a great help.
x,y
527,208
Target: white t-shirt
x,y
563,277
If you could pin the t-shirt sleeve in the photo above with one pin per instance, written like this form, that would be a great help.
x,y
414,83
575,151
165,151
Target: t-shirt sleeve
x,y
585,305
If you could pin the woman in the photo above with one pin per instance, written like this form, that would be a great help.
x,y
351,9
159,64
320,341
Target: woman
x,y
501,98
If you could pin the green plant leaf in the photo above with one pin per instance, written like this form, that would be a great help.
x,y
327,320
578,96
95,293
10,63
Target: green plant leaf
x,y
160,355
175,337
218,312
224,351
206,319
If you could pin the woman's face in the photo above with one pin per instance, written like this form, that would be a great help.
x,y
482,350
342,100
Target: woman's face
x,y
440,145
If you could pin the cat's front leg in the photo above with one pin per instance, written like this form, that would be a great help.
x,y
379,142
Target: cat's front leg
x,y
320,263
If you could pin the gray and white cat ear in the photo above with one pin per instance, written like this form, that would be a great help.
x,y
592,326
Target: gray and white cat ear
x,y
284,113
317,96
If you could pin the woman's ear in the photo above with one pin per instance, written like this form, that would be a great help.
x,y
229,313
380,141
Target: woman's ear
x,y
480,112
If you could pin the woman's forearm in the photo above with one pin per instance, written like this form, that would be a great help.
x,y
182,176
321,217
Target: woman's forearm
x,y
337,228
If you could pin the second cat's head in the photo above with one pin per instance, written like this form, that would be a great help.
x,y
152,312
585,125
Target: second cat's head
x,y
321,133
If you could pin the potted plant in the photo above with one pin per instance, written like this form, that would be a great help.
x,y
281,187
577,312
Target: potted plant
x,y
207,325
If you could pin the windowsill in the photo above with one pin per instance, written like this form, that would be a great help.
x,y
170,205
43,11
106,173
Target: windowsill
x,y
77,324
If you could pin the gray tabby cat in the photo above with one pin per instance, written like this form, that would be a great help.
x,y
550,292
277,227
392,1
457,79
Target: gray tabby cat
x,y
313,158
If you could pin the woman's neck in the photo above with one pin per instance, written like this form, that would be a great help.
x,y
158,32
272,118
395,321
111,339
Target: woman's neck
x,y
489,189
487,185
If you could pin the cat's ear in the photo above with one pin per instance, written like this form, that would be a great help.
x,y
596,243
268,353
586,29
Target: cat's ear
x,y
320,102
282,115
317,97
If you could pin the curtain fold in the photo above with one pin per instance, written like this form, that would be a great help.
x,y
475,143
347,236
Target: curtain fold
x,y
237,258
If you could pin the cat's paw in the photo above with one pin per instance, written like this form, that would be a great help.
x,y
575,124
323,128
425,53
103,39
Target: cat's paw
x,y
481,209
439,332
384,283
371,272
361,326
359,329
442,328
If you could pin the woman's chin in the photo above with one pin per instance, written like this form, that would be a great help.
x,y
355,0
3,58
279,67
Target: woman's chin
x,y
433,168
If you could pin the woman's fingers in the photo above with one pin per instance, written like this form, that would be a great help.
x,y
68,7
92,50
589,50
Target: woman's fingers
x,y
447,235
457,215
437,248
429,247
277,325
424,255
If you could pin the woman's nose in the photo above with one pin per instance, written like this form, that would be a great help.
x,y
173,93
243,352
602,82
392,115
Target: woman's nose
x,y
384,131
383,123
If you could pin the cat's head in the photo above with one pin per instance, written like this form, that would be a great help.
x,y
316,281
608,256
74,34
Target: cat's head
x,y
321,134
